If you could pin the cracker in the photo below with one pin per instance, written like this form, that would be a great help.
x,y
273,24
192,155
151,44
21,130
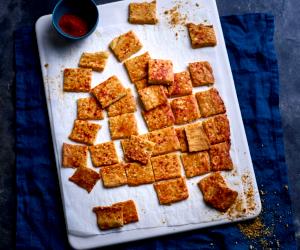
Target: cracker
x,y
165,140
85,177
74,156
166,167
216,193
159,117
171,191
84,132
185,109
125,45
180,132
95,61
217,129
195,164
141,84
202,35
160,72
125,105
138,174
89,109
114,175
138,149
201,73
77,80
220,157
196,137
129,211
152,96
210,103
142,13
182,85
109,91
104,154
137,67
109,217
122,126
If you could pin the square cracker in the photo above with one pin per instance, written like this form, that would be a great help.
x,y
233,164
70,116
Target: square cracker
x,y
216,193
104,154
196,137
180,132
165,139
160,72
84,132
210,103
195,164
125,45
220,157
202,35
109,217
141,84
85,177
159,117
137,67
77,80
185,109
74,156
122,126
152,96
114,175
142,13
129,211
89,109
138,174
138,149
171,191
182,85
166,167
109,91
95,61
217,129
201,73
125,105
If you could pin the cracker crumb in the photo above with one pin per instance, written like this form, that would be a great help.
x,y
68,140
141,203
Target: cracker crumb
x,y
254,229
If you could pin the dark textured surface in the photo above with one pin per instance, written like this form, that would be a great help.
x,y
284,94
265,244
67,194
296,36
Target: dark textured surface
x,y
15,13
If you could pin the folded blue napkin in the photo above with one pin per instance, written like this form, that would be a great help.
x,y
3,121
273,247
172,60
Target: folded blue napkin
x,y
249,41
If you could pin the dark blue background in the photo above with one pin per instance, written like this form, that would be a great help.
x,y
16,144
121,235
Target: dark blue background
x,y
17,13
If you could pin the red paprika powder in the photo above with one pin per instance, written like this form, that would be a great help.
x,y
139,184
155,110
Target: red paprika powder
x,y
73,25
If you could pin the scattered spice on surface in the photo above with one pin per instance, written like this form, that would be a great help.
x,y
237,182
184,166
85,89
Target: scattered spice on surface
x,y
254,229
175,17
46,65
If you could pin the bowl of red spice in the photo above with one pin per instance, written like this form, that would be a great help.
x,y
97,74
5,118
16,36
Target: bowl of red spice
x,y
75,19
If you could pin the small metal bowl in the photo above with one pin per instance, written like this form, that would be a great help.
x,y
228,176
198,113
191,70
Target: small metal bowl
x,y
85,9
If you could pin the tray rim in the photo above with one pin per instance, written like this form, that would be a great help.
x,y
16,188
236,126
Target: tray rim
x,y
78,242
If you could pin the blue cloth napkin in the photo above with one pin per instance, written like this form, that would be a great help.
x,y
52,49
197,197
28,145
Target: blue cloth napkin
x,y
249,40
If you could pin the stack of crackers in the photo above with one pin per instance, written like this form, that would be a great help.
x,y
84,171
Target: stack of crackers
x,y
178,120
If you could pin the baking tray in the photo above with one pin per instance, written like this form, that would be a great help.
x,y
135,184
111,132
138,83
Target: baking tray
x,y
57,54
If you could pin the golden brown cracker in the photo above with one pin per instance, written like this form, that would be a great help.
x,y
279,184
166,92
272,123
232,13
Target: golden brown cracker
x,y
125,45
166,167
195,164
171,191
84,132
77,80
122,126
109,91
113,175
104,154
74,156
85,177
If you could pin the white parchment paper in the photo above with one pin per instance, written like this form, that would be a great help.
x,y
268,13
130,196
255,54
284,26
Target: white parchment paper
x,y
162,42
